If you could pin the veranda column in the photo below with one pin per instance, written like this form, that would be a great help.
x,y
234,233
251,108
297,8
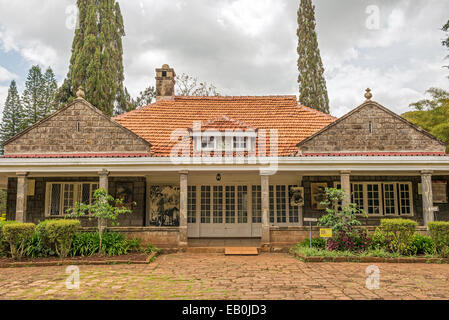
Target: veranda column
x,y
21,204
265,193
147,200
427,196
183,209
104,184
346,186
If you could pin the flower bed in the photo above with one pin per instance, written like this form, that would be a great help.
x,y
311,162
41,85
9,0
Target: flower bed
x,y
395,240
306,254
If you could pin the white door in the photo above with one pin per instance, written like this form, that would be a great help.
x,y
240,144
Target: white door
x,y
222,212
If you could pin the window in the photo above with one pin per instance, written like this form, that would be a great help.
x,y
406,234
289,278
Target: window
x,y
390,198
191,204
257,204
293,210
405,203
240,143
205,204
218,204
62,196
219,141
230,204
208,143
382,198
281,210
357,194
373,197
242,204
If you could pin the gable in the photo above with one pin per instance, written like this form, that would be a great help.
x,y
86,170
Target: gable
x,y
76,128
389,132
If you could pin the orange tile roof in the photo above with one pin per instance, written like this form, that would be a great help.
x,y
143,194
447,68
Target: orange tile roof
x,y
157,121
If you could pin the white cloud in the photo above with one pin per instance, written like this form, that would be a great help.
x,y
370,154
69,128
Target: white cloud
x,y
6,75
248,47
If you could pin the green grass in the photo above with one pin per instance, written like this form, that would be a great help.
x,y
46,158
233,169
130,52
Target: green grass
x,y
381,253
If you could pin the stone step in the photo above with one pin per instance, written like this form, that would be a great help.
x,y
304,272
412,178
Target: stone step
x,y
241,251
205,249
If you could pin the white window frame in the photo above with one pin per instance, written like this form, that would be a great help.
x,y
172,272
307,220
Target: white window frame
x,y
77,195
224,141
382,203
287,207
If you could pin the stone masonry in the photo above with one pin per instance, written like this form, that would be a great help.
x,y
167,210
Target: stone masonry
x,y
389,132
77,128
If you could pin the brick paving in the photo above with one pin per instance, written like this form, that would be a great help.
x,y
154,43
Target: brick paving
x,y
215,276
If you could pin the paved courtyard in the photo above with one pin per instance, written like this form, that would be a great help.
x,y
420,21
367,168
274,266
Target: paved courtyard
x,y
214,276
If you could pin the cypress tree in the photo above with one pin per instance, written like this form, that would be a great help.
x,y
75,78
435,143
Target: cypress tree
x,y
12,115
312,85
97,57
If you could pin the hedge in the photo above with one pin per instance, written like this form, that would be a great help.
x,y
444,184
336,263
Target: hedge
x,y
60,234
15,234
398,234
439,232
4,247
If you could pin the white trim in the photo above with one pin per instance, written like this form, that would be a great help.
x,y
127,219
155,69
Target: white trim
x,y
77,194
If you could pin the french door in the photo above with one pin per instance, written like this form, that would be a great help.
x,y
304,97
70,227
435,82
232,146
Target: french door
x,y
223,211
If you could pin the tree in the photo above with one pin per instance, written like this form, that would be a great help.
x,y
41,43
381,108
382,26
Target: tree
x,y
432,114
190,86
312,84
104,208
34,97
49,91
446,41
12,122
97,57
145,97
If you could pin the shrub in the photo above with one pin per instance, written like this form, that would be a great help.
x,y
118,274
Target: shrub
x,y
105,208
349,240
439,232
319,243
398,234
151,248
378,240
114,244
36,247
60,234
134,244
4,247
85,244
16,234
422,245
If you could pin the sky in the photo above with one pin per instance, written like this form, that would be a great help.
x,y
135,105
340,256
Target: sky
x,y
248,47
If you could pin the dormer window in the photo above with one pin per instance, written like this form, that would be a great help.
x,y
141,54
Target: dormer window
x,y
240,143
208,143
225,142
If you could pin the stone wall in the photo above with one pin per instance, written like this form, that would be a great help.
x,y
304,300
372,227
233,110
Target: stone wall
x,y
78,128
36,203
389,133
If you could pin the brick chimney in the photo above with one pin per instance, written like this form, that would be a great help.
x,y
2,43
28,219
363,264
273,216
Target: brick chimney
x,y
165,83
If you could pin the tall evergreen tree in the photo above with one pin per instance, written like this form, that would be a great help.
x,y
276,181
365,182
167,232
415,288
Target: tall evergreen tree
x,y
33,97
12,115
97,57
312,85
49,91
446,40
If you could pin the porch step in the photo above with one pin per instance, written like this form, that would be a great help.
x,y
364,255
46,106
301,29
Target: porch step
x,y
205,250
241,251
